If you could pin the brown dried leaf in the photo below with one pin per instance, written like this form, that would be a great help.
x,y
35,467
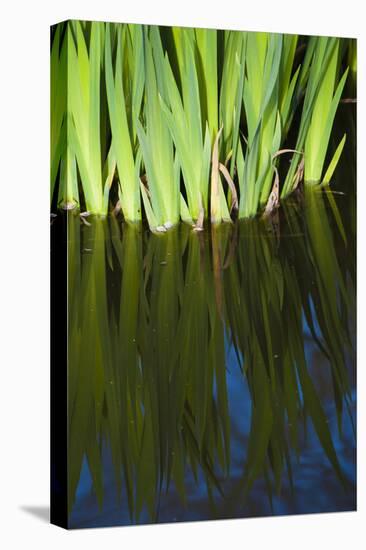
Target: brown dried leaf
x,y
282,151
117,208
273,199
234,195
299,174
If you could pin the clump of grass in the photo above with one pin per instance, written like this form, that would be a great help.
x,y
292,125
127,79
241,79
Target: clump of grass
x,y
231,93
58,105
183,115
161,195
84,115
322,117
191,124
268,91
322,95
84,111
125,86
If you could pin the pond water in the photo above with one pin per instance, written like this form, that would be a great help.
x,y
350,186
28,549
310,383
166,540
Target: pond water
x,y
213,374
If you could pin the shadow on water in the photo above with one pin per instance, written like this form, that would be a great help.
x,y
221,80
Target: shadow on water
x,y
212,375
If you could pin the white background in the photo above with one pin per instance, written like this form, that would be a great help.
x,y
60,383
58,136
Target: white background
x,y
24,273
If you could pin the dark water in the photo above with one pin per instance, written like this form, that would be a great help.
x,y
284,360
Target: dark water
x,y
212,375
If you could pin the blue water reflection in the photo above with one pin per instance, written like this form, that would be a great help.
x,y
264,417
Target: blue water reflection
x,y
221,372
315,489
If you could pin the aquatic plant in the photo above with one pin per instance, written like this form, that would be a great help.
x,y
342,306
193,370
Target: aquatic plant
x,y
184,117
125,86
58,102
83,88
190,124
322,96
161,193
268,91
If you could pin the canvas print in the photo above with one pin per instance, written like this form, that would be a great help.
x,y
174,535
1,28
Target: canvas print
x,y
203,236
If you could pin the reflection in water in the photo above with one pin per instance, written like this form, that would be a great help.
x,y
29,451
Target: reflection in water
x,y
211,374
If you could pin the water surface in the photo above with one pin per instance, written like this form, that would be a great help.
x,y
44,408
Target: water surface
x,y
212,375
